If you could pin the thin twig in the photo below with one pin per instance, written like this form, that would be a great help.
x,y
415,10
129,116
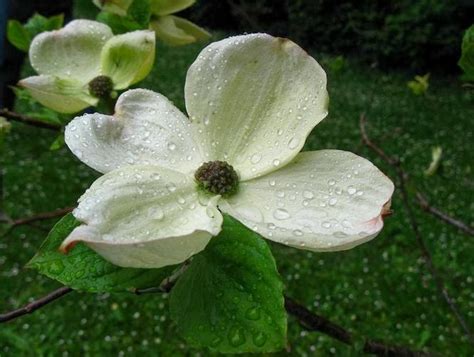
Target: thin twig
x,y
42,216
35,305
314,322
427,258
424,204
25,119
13,223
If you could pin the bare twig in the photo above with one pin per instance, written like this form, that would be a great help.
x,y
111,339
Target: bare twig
x,y
35,305
427,258
11,115
315,322
424,204
42,216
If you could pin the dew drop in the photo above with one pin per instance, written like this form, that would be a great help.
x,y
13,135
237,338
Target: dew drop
x,y
253,313
171,187
281,214
326,224
280,194
255,158
236,336
259,339
293,143
297,233
351,190
156,213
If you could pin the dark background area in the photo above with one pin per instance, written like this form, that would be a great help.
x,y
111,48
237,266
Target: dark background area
x,y
418,36
11,58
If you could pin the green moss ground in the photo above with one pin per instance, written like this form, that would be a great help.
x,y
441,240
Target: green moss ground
x,y
380,289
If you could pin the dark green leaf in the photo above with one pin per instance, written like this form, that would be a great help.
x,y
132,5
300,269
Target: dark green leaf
x,y
21,36
38,23
139,11
83,269
466,61
118,24
58,143
231,298
18,36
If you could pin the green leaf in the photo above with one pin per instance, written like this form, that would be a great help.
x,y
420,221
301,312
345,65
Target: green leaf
x,y
58,143
230,299
21,36
466,62
18,36
85,270
38,23
176,31
139,11
118,24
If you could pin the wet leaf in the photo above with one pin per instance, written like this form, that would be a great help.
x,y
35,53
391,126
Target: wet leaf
x,y
230,299
83,269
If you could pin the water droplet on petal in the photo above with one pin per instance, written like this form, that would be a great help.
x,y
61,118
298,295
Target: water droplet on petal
x,y
255,158
281,214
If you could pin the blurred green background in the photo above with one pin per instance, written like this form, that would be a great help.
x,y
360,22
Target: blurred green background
x,y
381,289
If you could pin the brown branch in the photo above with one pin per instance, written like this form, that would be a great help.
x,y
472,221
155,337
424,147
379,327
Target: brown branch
x,y
424,204
427,258
35,305
314,322
42,216
25,119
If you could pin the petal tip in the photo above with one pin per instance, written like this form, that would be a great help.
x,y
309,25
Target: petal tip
x,y
67,246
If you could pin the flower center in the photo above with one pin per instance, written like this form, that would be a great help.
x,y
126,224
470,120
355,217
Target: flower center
x,y
101,86
217,177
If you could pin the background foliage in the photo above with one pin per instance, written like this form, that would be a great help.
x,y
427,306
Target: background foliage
x,y
418,35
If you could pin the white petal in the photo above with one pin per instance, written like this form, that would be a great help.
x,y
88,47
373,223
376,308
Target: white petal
x,y
60,94
128,58
323,201
144,217
167,7
71,52
256,97
146,129
176,31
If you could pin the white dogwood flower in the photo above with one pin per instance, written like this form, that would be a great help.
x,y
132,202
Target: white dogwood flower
x,y
84,61
252,100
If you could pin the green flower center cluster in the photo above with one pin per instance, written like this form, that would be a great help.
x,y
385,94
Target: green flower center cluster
x,y
217,177
101,87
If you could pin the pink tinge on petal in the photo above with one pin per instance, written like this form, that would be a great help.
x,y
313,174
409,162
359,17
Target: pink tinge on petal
x,y
81,233
66,248
376,224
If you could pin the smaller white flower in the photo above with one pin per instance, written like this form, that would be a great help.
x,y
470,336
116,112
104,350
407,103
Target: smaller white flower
x,y
84,61
252,101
